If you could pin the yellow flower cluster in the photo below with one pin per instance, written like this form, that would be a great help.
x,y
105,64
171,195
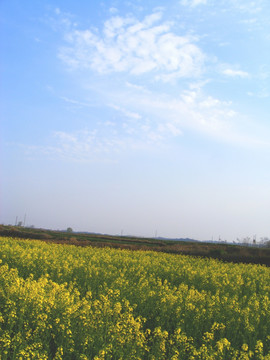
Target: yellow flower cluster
x,y
66,302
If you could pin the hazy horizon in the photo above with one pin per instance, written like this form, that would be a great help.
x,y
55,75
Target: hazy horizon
x,y
137,117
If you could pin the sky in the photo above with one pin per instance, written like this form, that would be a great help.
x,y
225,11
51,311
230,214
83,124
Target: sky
x,y
147,118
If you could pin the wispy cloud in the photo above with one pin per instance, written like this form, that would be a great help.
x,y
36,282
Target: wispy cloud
x,y
162,118
135,47
262,93
76,102
82,146
250,6
98,145
146,116
193,3
126,112
233,73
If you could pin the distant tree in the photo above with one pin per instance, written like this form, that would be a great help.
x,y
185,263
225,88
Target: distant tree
x,y
265,241
246,240
19,223
69,230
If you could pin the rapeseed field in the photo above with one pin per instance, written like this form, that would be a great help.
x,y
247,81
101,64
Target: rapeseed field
x,y
67,302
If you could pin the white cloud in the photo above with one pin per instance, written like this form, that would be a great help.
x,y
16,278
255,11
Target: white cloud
x,y
238,73
247,6
139,117
113,10
62,21
135,47
193,3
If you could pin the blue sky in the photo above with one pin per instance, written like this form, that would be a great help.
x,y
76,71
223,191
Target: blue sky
x,y
137,116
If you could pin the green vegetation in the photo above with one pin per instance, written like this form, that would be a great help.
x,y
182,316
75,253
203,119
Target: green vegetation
x,y
68,302
225,252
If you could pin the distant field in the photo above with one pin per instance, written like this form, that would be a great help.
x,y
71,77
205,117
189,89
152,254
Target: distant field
x,y
225,252
70,302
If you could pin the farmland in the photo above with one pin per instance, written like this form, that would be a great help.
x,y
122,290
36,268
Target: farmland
x,y
225,252
69,302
